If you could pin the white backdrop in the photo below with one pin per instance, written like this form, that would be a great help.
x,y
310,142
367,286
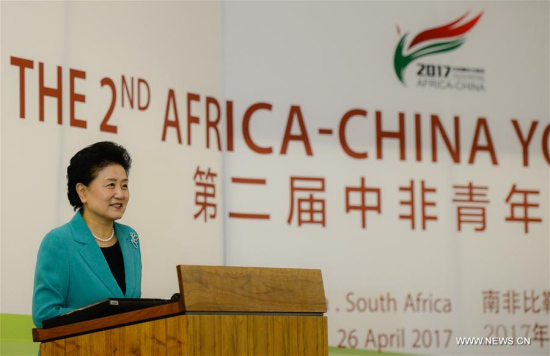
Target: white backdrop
x,y
280,64
329,58
171,46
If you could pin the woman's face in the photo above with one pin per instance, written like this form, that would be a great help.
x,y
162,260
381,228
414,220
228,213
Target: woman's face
x,y
107,195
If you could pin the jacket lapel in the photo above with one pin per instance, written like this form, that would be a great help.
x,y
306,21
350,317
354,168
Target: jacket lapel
x,y
129,261
92,255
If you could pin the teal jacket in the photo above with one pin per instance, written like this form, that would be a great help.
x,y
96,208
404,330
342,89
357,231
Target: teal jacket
x,y
72,272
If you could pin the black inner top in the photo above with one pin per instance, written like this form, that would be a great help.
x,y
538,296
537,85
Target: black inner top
x,y
114,258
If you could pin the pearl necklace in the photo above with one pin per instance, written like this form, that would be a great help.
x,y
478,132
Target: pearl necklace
x,y
105,240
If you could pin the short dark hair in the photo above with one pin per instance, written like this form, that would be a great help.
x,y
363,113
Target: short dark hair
x,y
87,162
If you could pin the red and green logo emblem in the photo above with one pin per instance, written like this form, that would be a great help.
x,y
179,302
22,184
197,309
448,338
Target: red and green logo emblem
x,y
439,40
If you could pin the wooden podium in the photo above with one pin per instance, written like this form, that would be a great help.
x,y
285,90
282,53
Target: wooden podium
x,y
222,311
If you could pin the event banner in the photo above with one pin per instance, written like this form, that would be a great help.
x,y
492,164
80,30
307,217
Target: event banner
x,y
74,73
403,148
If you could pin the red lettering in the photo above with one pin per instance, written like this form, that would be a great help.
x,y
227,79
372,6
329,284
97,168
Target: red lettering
x,y
105,126
212,124
246,128
229,111
483,127
76,97
140,82
418,137
44,91
342,133
296,112
171,123
22,64
399,135
438,127
129,93
525,142
545,142
190,118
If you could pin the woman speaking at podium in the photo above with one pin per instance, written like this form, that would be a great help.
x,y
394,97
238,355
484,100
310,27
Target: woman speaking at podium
x,y
91,257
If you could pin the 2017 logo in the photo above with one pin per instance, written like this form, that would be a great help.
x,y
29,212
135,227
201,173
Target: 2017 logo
x,y
435,40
